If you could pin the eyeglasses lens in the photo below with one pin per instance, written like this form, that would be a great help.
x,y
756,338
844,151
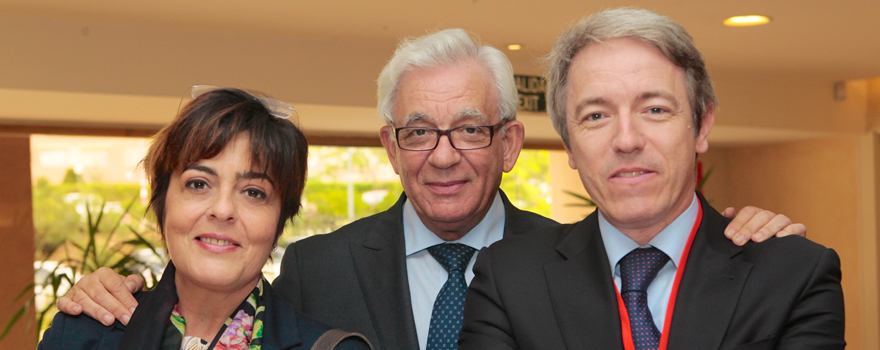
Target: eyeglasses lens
x,y
463,137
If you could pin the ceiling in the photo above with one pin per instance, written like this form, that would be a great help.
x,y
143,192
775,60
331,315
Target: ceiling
x,y
838,39
110,62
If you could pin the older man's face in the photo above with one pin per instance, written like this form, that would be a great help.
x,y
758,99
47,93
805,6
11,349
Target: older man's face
x,y
451,189
631,135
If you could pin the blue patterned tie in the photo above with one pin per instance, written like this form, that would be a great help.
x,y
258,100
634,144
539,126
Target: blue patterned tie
x,y
449,305
637,270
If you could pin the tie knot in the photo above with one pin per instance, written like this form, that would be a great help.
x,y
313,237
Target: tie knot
x,y
453,256
639,267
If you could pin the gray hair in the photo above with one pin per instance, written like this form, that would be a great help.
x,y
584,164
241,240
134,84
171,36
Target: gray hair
x,y
446,47
643,25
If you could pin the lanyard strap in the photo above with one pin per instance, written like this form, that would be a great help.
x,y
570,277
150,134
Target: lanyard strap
x,y
667,323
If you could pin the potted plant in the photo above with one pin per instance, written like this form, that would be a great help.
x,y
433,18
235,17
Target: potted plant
x,y
73,258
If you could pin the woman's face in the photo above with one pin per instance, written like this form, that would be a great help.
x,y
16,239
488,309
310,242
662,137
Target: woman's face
x,y
220,219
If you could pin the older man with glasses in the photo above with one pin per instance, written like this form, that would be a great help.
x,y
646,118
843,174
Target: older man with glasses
x,y
399,276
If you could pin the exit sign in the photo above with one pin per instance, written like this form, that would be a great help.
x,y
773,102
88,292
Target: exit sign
x,y
532,91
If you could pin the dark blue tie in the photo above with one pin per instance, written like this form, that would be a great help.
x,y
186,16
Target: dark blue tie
x,y
637,270
449,305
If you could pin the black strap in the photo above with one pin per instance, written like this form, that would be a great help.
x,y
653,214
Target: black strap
x,y
333,337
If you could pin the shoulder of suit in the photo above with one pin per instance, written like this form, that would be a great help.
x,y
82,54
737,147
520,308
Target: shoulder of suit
x,y
789,247
308,329
528,251
81,330
548,236
537,220
354,231
525,221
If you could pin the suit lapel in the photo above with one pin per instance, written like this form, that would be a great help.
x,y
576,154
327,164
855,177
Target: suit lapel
x,y
148,323
513,223
581,290
712,281
282,329
110,340
380,263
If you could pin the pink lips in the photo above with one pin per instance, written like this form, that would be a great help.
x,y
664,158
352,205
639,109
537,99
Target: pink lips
x,y
446,187
631,174
217,243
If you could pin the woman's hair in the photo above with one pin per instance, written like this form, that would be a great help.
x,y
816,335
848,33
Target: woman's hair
x,y
203,128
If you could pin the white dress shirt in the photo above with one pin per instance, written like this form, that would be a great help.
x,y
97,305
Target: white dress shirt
x,y
671,240
426,275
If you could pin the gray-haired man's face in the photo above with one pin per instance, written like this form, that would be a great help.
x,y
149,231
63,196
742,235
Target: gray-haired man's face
x,y
450,189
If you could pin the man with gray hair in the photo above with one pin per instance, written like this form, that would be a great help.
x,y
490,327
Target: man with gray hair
x,y
651,268
399,276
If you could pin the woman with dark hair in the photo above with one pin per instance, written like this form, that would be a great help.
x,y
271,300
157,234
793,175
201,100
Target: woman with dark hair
x,y
225,175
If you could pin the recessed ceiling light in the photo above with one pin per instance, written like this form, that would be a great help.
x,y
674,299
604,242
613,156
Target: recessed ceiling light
x,y
514,47
746,21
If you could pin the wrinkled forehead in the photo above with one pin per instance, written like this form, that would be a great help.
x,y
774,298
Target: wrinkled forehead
x,y
463,115
446,95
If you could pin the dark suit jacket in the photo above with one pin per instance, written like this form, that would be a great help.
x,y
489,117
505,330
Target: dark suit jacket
x,y
284,328
553,289
355,278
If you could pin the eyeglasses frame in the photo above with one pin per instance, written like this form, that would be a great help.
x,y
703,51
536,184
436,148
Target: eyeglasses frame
x,y
446,132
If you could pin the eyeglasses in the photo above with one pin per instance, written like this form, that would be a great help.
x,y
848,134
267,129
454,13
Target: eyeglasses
x,y
276,108
415,138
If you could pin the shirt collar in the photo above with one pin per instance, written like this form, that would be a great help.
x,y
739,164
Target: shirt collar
x,y
418,237
671,240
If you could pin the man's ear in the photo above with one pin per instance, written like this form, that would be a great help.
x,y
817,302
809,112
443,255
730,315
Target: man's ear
x,y
702,144
512,138
571,163
386,135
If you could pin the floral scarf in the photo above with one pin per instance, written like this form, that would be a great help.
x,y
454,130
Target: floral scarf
x,y
242,331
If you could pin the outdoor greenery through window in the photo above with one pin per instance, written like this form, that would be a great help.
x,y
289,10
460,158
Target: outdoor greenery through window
x,y
90,198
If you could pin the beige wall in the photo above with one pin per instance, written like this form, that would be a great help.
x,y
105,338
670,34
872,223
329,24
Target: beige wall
x,y
869,245
787,100
716,189
17,235
872,87
814,182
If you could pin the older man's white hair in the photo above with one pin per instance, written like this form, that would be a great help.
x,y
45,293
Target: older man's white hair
x,y
442,48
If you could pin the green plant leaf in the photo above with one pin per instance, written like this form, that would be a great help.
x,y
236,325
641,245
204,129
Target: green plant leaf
x,y
92,245
124,212
24,292
587,202
14,319
121,263
705,178
146,243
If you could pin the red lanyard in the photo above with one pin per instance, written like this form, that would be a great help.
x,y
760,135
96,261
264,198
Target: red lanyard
x,y
667,323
